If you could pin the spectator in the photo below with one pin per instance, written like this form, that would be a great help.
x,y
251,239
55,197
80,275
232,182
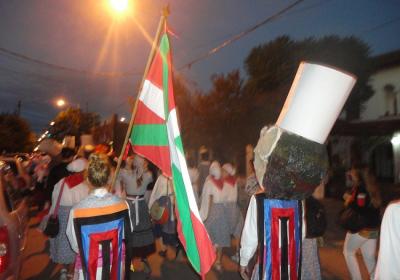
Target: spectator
x,y
365,199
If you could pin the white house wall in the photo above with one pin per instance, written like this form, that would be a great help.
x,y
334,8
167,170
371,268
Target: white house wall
x,y
377,105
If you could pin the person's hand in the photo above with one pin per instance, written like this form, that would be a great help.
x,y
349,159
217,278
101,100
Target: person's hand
x,y
243,273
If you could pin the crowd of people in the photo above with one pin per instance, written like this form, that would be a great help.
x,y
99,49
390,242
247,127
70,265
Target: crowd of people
x,y
72,180
82,180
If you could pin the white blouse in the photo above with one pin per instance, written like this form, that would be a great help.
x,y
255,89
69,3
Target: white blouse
x,y
163,186
388,265
129,181
227,194
249,240
70,196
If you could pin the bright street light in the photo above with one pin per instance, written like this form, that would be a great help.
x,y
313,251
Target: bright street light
x,y
119,5
52,123
122,119
395,139
60,102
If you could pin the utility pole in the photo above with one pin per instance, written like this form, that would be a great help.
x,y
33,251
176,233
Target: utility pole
x,y
18,109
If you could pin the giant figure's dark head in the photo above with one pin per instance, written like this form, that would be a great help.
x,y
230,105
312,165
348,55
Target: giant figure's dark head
x,y
290,158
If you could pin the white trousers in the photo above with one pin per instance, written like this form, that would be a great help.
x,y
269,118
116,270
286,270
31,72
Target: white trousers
x,y
352,243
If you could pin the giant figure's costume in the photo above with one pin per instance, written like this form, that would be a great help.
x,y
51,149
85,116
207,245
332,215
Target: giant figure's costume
x,y
290,161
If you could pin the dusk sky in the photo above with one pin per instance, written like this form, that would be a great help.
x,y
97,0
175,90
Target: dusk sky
x,y
84,35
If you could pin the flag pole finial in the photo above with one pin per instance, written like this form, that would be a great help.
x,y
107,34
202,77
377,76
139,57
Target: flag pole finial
x,y
166,11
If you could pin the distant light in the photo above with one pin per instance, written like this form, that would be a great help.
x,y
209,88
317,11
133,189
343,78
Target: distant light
x,y
119,5
60,102
52,123
47,132
122,119
396,139
36,149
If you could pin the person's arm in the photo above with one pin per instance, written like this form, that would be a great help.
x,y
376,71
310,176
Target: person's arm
x,y
147,178
205,201
71,233
54,196
22,172
119,189
249,240
156,193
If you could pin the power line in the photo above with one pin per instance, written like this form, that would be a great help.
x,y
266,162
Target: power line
x,y
241,35
225,37
26,58
381,25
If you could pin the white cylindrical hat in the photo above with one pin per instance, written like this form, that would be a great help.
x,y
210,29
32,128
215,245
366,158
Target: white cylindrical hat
x,y
315,100
77,165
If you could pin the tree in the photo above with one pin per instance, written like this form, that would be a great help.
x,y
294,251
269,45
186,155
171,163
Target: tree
x,y
272,66
15,134
73,122
232,113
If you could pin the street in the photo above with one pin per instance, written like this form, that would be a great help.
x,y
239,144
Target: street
x,y
38,266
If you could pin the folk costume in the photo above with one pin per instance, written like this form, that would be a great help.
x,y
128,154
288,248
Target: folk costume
x,y
96,229
163,193
74,189
135,182
290,162
222,216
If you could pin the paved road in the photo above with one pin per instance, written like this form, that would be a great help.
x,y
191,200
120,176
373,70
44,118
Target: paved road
x,y
38,266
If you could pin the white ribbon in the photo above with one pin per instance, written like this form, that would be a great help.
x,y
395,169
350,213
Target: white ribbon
x,y
135,202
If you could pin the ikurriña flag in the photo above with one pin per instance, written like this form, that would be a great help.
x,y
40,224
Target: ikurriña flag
x,y
156,136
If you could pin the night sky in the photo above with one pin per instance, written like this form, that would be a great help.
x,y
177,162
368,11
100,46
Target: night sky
x,y
85,36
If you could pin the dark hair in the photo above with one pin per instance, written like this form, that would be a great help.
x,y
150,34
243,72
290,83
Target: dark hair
x,y
204,156
191,162
67,153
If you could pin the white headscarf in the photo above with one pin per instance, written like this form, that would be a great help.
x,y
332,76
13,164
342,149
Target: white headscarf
x,y
229,169
77,165
215,170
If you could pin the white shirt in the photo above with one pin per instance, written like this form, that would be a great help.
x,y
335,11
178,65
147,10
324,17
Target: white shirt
x,y
194,178
249,239
228,193
129,180
388,265
70,196
162,187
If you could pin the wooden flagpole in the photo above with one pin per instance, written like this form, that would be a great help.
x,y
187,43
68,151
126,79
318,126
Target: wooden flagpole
x,y
161,25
